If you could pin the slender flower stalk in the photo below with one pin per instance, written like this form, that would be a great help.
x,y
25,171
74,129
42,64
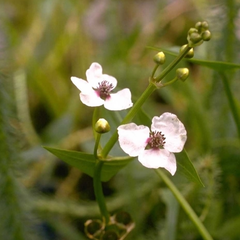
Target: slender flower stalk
x,y
185,205
95,152
99,191
100,127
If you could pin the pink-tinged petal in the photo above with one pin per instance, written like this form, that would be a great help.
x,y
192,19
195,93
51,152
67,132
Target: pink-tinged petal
x,y
94,75
81,84
173,130
156,158
119,101
110,79
91,99
133,138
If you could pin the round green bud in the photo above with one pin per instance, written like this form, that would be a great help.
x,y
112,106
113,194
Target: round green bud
x,y
205,25
206,35
195,37
182,73
159,58
192,30
190,53
102,126
198,25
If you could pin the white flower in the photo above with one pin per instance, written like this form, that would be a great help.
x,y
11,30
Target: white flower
x,y
96,91
154,148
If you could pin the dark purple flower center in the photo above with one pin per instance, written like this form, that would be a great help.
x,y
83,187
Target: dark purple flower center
x,y
155,140
104,89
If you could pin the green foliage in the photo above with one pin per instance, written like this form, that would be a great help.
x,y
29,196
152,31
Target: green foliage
x,y
186,167
86,162
13,213
50,41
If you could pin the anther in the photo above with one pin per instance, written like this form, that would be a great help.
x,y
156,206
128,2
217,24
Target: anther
x,y
156,140
104,89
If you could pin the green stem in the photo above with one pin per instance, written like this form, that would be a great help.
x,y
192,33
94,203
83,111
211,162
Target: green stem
x,y
185,205
170,82
99,192
98,137
95,117
154,70
231,102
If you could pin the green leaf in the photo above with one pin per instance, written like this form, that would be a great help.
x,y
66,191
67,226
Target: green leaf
x,y
86,162
215,65
185,166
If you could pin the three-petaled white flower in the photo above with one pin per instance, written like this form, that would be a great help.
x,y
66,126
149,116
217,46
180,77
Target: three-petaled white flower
x,y
154,148
96,91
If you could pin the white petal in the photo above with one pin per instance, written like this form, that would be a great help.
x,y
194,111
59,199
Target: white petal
x,y
81,84
91,99
110,79
119,101
155,158
94,74
133,138
173,130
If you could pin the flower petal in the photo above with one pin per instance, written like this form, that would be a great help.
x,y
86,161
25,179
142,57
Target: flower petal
x,y
155,158
91,99
119,101
110,79
133,138
173,130
81,84
94,74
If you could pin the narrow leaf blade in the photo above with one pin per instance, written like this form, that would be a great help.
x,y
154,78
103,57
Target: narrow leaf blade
x,y
86,162
186,167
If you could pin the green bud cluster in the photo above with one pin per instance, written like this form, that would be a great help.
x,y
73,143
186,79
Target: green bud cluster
x,y
198,34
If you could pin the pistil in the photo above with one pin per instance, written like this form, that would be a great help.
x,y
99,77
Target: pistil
x,y
104,89
156,140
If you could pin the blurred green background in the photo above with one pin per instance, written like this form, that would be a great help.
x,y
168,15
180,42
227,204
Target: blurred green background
x,y
45,42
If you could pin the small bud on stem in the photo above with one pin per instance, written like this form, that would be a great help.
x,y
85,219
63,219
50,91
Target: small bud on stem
x,y
159,58
102,126
182,73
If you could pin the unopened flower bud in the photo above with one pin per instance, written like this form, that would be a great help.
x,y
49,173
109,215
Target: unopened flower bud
x,y
195,37
102,126
190,53
192,30
182,73
205,25
206,35
198,25
159,58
